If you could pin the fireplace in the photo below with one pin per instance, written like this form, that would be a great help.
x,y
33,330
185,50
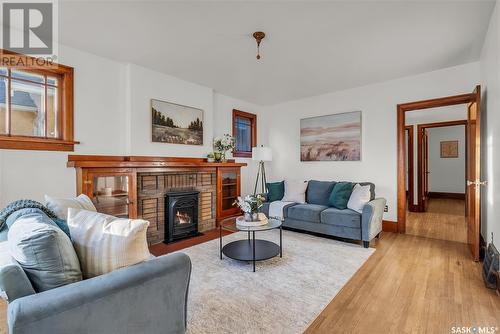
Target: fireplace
x,y
181,215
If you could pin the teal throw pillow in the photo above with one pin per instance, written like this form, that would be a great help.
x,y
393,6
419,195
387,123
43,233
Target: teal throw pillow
x,y
275,191
340,195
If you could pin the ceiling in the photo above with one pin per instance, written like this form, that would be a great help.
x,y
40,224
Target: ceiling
x,y
311,47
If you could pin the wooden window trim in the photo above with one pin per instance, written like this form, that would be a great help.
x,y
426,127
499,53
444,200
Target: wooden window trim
x,y
65,142
253,125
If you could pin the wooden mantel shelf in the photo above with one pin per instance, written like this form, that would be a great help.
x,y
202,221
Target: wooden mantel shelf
x,y
104,161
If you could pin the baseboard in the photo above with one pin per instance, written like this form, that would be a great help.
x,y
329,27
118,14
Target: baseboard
x,y
389,226
437,194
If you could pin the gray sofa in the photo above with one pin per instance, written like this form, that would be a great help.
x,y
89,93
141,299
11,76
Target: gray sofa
x,y
317,217
149,297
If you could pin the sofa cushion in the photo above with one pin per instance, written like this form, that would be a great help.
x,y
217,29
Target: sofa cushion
x,y
346,217
44,251
275,191
295,191
105,243
306,212
61,205
359,197
372,189
340,195
318,192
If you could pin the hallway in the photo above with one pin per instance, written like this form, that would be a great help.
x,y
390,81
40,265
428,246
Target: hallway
x,y
444,220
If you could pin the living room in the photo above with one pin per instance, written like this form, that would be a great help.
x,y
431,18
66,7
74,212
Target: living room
x,y
280,79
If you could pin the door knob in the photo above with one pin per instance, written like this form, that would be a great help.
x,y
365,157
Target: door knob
x,y
477,183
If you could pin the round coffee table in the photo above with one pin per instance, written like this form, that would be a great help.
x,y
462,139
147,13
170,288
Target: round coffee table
x,y
250,249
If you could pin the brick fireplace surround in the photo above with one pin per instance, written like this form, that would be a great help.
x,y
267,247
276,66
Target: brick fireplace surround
x,y
148,179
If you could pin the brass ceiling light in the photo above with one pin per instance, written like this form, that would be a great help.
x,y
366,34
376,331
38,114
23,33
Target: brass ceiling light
x,y
259,36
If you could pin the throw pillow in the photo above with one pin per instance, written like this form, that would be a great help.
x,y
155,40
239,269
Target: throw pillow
x,y
60,206
340,195
295,191
44,251
275,191
105,243
359,197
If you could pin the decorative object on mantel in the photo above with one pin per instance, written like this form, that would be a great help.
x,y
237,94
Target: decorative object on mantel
x,y
259,36
449,149
250,206
176,124
223,145
261,154
334,137
210,157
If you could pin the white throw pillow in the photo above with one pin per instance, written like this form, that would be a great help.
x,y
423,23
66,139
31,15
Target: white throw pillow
x,y
104,243
359,197
60,206
295,191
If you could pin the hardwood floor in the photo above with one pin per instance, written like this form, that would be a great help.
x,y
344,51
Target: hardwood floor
x,y
411,284
444,220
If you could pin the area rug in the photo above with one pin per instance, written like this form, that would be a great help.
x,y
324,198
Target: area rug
x,y
284,295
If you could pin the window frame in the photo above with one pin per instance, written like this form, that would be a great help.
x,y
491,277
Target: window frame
x,y
253,137
65,124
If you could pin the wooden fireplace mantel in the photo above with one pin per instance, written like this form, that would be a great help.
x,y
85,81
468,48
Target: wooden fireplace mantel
x,y
134,186
113,161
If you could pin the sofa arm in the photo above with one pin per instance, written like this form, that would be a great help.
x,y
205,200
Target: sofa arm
x,y
150,297
372,215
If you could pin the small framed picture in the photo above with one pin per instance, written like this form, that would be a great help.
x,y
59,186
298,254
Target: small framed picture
x,y
449,149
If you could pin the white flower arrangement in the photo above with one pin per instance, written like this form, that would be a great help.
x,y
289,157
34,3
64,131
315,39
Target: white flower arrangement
x,y
250,203
224,143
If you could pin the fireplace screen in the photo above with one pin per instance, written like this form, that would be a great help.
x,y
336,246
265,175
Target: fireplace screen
x,y
181,215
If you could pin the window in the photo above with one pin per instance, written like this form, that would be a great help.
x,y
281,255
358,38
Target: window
x,y
36,104
244,133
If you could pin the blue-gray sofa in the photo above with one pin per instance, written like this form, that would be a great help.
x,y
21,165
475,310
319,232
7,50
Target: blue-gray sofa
x,y
148,297
317,217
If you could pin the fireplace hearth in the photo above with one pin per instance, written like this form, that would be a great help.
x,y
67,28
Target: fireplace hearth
x,y
181,215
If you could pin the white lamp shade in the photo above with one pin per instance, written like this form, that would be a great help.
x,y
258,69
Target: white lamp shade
x,y
262,153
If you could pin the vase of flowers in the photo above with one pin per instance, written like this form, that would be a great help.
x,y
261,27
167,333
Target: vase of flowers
x,y
250,206
224,144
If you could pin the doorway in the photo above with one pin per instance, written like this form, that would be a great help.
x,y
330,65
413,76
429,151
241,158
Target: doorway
x,y
472,148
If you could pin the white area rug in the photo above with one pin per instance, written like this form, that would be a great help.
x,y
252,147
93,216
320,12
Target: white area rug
x,y
284,295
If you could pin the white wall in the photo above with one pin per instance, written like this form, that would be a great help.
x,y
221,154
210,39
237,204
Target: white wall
x,y
378,104
142,86
446,174
223,118
433,115
99,126
490,79
112,116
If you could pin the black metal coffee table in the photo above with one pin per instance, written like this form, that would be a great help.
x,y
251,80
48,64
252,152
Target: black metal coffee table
x,y
250,249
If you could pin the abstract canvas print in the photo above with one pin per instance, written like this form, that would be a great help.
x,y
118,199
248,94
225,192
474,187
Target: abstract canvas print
x,y
176,124
449,149
331,138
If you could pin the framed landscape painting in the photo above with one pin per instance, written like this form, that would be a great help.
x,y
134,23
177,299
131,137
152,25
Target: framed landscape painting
x,y
331,138
176,124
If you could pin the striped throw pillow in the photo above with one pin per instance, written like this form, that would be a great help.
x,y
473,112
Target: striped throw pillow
x,y
104,243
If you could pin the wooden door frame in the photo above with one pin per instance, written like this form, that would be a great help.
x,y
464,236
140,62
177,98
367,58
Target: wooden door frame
x,y
420,162
401,109
411,171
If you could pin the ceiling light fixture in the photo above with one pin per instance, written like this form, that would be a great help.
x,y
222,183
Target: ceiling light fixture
x,y
259,36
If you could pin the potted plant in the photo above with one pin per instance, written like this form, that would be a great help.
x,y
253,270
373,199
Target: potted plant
x,y
250,206
224,144
210,157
